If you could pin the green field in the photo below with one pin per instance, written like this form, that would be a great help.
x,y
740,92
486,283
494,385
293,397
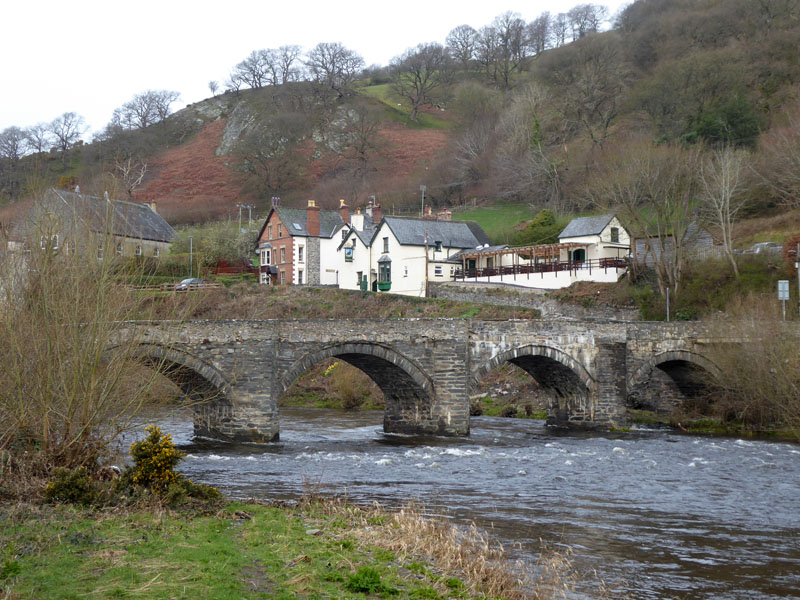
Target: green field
x,y
399,109
498,220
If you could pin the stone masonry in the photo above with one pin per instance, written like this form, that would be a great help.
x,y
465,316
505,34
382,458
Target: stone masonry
x,y
426,368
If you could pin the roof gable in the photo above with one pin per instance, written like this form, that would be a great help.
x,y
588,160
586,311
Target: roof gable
x,y
583,226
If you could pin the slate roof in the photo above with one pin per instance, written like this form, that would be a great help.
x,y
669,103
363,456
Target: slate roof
x,y
452,234
126,219
330,221
583,226
365,235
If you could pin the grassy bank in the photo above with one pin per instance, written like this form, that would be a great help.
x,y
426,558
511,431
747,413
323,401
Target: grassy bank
x,y
312,550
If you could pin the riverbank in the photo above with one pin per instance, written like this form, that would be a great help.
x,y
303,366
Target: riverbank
x,y
314,548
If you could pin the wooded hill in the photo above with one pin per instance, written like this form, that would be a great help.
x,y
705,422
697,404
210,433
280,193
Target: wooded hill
x,y
552,113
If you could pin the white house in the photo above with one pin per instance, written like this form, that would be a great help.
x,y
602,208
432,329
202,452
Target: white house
x,y
404,253
588,249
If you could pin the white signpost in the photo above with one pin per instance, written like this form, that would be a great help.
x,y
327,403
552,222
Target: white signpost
x,y
783,294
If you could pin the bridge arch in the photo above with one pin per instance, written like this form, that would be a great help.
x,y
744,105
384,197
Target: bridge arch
x,y
542,362
182,367
409,392
570,386
683,371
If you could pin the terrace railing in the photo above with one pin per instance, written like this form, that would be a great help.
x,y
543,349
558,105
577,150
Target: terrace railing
x,y
603,264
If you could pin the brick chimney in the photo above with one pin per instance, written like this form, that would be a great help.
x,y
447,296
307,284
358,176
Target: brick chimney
x,y
444,215
377,213
428,214
344,211
312,219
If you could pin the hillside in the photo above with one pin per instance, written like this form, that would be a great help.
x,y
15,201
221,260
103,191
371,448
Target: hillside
x,y
553,126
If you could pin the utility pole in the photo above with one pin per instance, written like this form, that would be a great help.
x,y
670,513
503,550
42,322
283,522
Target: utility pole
x,y
426,260
190,257
422,189
797,264
249,208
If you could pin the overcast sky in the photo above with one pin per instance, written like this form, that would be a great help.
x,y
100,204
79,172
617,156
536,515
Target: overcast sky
x,y
90,56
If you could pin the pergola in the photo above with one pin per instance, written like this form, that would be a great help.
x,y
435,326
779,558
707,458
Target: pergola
x,y
551,252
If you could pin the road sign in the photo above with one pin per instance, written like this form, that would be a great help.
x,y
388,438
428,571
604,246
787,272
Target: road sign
x,y
783,289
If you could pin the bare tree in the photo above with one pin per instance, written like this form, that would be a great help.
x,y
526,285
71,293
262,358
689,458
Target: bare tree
x,y
145,109
130,173
334,66
285,61
213,86
67,130
585,19
252,71
560,27
654,189
589,76
419,73
540,33
13,144
39,137
502,48
461,43
722,184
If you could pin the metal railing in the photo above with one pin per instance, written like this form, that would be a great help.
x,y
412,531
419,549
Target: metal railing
x,y
603,264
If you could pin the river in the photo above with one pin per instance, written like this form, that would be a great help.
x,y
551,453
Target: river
x,y
654,513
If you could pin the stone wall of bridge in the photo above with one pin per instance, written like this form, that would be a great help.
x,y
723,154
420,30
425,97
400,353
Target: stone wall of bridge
x,y
426,368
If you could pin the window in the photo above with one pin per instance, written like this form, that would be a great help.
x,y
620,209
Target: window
x,y
437,247
138,249
119,248
615,234
345,231
437,270
359,277
280,230
386,244
300,253
283,277
405,270
263,278
348,254
100,251
300,276
269,231
283,254
54,242
385,272
156,253
42,243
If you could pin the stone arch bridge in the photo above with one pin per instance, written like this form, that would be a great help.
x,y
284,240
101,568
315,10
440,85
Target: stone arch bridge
x,y
426,368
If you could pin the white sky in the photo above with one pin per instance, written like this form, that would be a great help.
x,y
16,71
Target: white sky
x,y
90,56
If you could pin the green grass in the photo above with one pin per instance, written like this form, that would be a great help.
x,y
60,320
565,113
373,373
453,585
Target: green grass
x,y
399,109
62,552
499,220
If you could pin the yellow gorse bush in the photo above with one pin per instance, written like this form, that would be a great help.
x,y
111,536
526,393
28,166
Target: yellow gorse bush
x,y
155,459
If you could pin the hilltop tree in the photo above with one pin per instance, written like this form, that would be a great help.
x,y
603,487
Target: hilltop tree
x,y
13,144
461,43
39,137
145,109
67,130
585,19
502,49
334,66
419,73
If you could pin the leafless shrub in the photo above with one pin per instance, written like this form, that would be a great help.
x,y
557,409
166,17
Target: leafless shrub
x,y
65,318
760,367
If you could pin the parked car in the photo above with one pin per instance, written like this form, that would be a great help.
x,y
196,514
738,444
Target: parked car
x,y
190,283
